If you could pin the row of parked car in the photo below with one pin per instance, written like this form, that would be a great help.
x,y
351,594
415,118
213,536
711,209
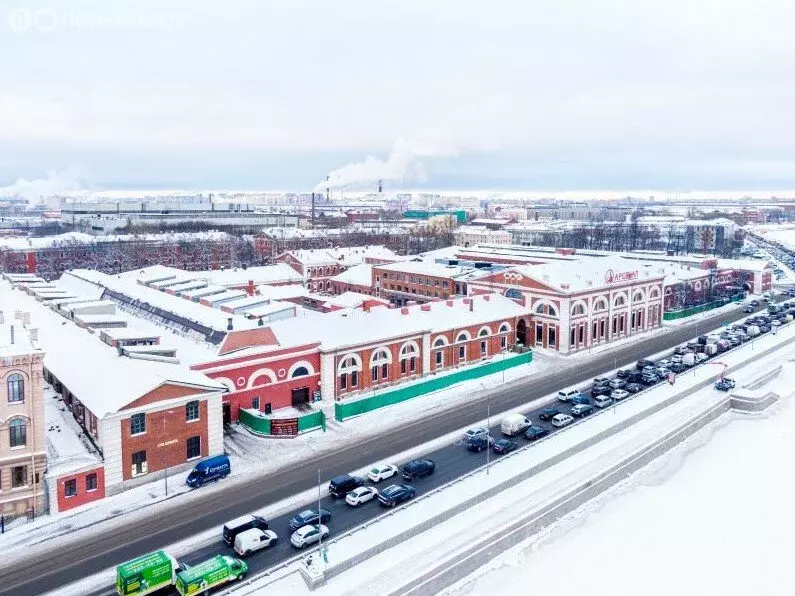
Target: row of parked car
x,y
251,533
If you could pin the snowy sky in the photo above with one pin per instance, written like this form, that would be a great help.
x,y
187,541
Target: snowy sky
x,y
552,94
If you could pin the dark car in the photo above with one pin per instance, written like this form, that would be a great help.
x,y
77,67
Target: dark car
x,y
748,309
601,380
681,350
581,410
650,379
534,433
504,446
702,339
724,385
396,494
643,363
579,399
343,484
418,468
634,377
479,443
241,524
548,414
310,516
754,302
633,387
622,374
677,367
597,390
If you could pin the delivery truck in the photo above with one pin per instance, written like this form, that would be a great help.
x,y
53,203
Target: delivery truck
x,y
146,574
219,570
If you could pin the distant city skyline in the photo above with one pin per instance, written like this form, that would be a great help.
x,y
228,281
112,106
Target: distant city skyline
x,y
572,95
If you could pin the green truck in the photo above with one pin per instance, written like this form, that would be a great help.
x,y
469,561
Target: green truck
x,y
213,572
146,574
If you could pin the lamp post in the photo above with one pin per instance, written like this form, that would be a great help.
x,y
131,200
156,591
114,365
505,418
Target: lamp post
x,y
488,435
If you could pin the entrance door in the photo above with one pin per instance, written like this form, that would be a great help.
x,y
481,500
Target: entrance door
x,y
227,410
300,397
521,332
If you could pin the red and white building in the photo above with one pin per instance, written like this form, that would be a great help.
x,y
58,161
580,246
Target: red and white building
x,y
576,305
318,267
349,353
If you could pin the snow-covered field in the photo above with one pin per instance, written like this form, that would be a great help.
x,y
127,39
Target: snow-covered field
x,y
713,517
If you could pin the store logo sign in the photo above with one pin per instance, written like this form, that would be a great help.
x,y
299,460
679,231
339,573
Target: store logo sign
x,y
612,277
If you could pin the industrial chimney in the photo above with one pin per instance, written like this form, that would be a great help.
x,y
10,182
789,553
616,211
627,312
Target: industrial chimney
x,y
380,186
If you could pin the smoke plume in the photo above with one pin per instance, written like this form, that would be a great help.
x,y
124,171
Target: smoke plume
x,y
403,163
55,182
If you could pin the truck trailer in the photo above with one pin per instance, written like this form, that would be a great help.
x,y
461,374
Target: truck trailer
x,y
146,574
213,572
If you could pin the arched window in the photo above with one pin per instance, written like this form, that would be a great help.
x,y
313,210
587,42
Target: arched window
x,y
505,328
578,309
408,357
16,388
440,342
463,336
18,432
546,309
513,294
350,363
348,371
619,300
484,332
600,305
638,297
301,371
379,364
655,293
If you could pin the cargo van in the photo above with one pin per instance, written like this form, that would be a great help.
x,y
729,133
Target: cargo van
x,y
689,359
241,524
723,345
212,468
146,574
752,330
514,424
711,349
217,571
253,540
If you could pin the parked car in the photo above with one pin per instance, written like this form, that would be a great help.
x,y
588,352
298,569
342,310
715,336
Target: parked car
x,y
622,374
307,535
253,540
600,390
505,446
603,401
748,308
548,414
568,394
681,350
562,420
619,394
617,384
634,377
241,524
725,384
678,367
473,432
601,380
650,379
479,443
418,468
535,432
381,472
361,495
701,358
308,517
662,372
581,410
633,387
396,494
643,363
343,484
580,399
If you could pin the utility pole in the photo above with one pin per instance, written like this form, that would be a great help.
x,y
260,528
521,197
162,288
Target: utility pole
x,y
319,519
488,436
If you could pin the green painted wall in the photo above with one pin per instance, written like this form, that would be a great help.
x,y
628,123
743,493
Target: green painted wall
x,y
262,426
694,310
348,409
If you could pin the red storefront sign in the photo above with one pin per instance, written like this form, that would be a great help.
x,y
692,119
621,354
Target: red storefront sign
x,y
612,277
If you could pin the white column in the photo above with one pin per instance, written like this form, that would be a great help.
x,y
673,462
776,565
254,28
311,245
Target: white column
x,y
426,353
110,434
215,424
564,326
328,377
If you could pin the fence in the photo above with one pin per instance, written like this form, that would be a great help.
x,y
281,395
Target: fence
x,y
261,425
348,409
672,315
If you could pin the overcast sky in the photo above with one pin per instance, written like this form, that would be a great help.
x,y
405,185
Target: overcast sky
x,y
555,94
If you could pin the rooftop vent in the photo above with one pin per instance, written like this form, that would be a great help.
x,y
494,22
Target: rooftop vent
x,y
229,325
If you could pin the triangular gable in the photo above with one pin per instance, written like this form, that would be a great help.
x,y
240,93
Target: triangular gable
x,y
513,277
237,340
166,391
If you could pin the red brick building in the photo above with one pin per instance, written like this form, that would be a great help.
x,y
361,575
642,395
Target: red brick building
x,y
318,266
419,280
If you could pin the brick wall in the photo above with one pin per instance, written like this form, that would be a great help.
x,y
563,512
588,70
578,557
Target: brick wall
x,y
82,494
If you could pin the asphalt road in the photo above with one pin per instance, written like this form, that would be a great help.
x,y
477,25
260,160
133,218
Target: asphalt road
x,y
93,551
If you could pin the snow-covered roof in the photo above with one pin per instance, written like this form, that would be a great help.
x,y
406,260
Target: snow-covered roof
x,y
88,367
72,238
346,255
360,275
588,274
353,300
224,297
426,267
17,342
202,292
266,310
66,451
282,292
268,274
344,328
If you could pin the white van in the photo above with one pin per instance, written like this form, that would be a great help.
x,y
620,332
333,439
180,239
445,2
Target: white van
x,y
567,395
514,424
602,401
253,540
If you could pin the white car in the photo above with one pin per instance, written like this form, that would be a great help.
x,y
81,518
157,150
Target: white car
x,y
619,394
360,495
475,432
381,472
562,420
701,357
308,535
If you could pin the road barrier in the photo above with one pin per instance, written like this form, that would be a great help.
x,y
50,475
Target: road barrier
x,y
266,426
350,408
672,315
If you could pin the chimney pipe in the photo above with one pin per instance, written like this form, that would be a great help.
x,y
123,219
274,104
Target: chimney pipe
x,y
229,325
12,334
260,323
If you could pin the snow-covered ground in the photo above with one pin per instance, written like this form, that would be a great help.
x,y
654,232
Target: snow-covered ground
x,y
713,517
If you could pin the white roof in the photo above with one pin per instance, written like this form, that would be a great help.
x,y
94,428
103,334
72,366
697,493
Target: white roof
x,y
268,274
66,452
88,366
360,275
348,255
426,267
202,292
225,296
21,340
352,300
587,274
345,328
282,292
265,310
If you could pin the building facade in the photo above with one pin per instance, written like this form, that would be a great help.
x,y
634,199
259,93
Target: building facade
x,y
22,430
